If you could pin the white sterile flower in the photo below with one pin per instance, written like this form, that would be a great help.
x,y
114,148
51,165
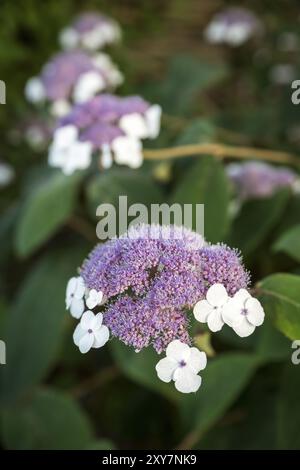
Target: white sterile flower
x,y
94,298
69,38
134,125
127,151
90,333
210,310
74,296
88,85
93,39
34,90
237,34
60,108
215,32
243,313
7,174
67,152
106,156
152,118
182,365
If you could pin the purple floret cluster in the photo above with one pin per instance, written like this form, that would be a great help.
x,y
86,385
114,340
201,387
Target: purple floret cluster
x,y
152,276
258,179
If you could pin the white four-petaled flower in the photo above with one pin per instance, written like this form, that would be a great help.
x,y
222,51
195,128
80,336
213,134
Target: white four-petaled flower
x,y
127,151
90,332
87,86
243,313
210,309
182,364
67,152
74,296
94,298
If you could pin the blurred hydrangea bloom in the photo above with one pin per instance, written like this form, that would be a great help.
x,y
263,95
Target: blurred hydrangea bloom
x,y
145,282
233,26
90,31
110,125
258,179
72,76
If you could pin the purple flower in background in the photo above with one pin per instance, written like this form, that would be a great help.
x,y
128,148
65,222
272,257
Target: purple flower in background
x,y
151,276
233,26
90,30
72,76
112,125
258,179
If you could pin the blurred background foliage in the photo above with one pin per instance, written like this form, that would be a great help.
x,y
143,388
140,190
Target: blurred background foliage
x,y
52,397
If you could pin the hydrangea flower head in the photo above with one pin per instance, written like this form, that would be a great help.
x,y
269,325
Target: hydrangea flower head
x,y
233,26
258,179
112,126
72,76
91,31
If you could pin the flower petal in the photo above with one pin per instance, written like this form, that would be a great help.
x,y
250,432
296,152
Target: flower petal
x,y
87,320
178,351
101,337
86,342
97,323
186,381
94,298
197,360
215,321
244,329
217,295
165,369
202,310
231,312
77,308
80,288
153,117
134,125
78,334
256,314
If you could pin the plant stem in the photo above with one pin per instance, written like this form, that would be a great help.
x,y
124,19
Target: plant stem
x,y
221,151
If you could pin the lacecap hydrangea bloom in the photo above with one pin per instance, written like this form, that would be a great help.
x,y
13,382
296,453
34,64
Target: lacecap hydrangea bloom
x,y
109,126
145,284
91,31
233,26
258,180
72,77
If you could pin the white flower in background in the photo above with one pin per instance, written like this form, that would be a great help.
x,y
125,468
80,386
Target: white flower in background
x,y
93,39
60,108
112,74
106,156
134,125
238,34
67,152
243,313
90,333
74,296
127,151
34,90
215,32
94,298
153,118
68,38
182,364
210,310
7,174
88,85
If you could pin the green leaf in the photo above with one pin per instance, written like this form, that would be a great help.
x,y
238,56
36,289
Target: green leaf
x,y
35,324
140,367
222,381
280,296
271,344
45,210
256,221
108,186
50,420
101,444
288,406
289,243
206,183
187,76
